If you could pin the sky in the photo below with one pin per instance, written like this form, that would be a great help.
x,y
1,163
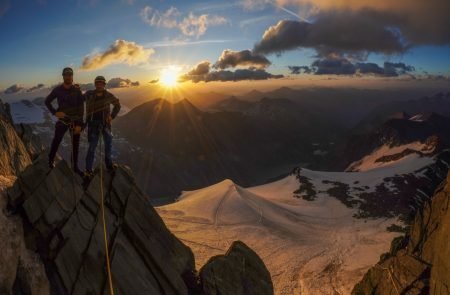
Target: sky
x,y
200,42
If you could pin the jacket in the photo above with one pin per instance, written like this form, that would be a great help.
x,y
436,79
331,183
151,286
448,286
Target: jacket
x,y
95,104
70,101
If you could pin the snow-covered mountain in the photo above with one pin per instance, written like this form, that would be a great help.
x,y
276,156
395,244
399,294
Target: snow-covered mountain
x,y
318,232
28,112
309,247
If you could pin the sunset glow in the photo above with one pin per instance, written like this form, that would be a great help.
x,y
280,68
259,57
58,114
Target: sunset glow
x,y
169,76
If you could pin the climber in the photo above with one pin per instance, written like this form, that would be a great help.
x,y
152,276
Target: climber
x,y
98,119
70,113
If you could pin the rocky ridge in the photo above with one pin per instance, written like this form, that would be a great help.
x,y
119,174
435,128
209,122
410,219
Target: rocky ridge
x,y
418,263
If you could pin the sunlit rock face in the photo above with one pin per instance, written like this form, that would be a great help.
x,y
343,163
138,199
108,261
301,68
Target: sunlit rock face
x,y
418,263
63,223
14,156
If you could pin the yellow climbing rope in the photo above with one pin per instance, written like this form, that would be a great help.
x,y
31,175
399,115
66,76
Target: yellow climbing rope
x,y
388,269
105,236
105,233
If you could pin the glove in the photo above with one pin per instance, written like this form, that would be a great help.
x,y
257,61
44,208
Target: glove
x,y
60,115
77,130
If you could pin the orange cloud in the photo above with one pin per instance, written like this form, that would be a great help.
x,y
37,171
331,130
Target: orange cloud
x,y
121,51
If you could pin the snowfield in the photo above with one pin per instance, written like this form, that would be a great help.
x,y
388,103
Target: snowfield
x,y
309,247
370,161
27,112
368,179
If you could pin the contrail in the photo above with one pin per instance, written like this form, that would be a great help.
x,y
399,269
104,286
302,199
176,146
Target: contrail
x,y
274,3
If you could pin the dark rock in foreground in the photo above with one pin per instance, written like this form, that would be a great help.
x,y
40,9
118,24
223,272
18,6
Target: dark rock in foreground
x,y
63,223
239,272
420,262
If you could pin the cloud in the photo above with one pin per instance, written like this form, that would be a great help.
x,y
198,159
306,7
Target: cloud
x,y
121,51
421,22
154,81
359,27
190,26
296,70
232,59
195,26
344,33
201,73
336,65
37,87
4,7
13,89
87,86
395,69
121,83
333,66
201,68
254,4
153,17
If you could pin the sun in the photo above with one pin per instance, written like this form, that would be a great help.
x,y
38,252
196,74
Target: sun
x,y
169,76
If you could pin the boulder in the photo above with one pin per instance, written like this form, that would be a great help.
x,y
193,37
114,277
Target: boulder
x,y
239,272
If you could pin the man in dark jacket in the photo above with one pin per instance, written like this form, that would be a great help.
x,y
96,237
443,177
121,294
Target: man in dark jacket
x,y
99,118
70,113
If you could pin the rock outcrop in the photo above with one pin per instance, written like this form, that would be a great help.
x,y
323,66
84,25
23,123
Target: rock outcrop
x,y
20,268
31,140
420,262
239,272
64,224
21,271
14,156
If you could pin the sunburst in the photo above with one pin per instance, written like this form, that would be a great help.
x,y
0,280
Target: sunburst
x,y
169,76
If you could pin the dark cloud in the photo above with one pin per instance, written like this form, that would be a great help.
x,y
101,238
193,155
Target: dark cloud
x,y
333,66
13,89
337,33
336,65
389,69
237,75
37,87
418,21
202,68
296,70
246,58
395,69
370,68
121,83
154,81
